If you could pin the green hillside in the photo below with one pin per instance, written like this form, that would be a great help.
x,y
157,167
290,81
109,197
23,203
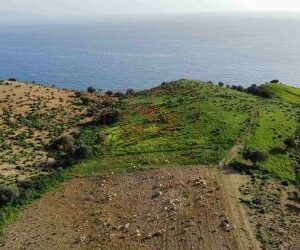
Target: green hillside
x,y
286,93
190,122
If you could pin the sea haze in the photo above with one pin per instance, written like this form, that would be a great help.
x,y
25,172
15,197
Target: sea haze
x,y
141,52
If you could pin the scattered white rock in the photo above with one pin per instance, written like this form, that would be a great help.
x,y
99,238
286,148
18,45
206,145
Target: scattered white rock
x,y
226,226
171,206
199,182
82,238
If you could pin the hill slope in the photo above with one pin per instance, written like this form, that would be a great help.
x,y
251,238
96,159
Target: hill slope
x,y
178,124
190,122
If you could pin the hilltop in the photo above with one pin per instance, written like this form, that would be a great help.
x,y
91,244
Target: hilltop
x,y
224,132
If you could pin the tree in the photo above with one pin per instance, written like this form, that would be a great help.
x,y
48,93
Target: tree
x,y
91,90
221,84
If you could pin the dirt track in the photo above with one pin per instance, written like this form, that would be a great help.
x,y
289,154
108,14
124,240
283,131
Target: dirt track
x,y
169,208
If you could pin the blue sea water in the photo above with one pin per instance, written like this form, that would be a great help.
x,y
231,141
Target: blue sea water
x,y
141,52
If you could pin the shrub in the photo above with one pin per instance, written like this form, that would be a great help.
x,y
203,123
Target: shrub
x,y
254,156
83,152
85,99
259,91
91,90
240,166
63,143
240,88
12,79
289,143
161,118
8,194
221,84
110,116
295,196
130,92
92,111
275,81
109,93
78,94
119,95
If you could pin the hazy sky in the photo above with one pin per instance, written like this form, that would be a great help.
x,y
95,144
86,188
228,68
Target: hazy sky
x,y
108,7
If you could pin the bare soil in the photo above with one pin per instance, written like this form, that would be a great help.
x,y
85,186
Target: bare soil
x,y
168,208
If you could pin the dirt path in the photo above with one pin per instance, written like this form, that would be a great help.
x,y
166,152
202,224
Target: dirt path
x,y
169,208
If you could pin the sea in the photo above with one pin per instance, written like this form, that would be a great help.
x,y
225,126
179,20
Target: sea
x,y
118,53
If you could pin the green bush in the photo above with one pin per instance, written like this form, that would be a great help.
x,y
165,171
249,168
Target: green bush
x,y
8,194
83,152
254,156
85,100
109,116
289,143
259,91
90,136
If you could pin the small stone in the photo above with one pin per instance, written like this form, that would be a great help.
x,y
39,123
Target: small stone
x,y
82,238
156,194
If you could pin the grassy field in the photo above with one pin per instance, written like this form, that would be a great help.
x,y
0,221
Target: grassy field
x,y
189,122
275,122
181,123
